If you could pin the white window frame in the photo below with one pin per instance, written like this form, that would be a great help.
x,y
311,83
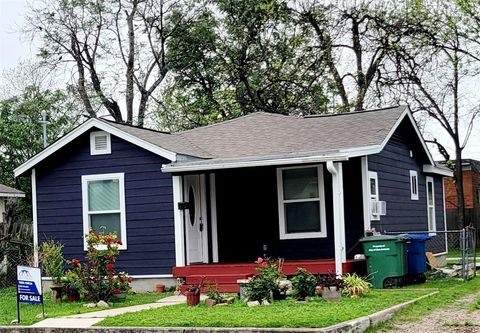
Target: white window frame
x,y
376,197
432,225
93,150
321,201
413,188
121,189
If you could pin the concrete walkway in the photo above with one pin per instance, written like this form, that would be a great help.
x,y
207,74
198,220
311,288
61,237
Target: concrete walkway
x,y
89,319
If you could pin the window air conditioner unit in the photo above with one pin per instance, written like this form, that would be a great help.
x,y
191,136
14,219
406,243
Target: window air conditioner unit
x,y
379,208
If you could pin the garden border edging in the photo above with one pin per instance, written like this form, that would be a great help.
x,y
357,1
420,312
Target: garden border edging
x,y
357,325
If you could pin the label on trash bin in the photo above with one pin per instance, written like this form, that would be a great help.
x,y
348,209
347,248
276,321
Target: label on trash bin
x,y
378,248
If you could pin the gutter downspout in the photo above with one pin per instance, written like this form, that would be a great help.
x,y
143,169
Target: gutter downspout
x,y
338,215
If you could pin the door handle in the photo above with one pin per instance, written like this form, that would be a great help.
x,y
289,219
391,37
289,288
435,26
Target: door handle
x,y
201,227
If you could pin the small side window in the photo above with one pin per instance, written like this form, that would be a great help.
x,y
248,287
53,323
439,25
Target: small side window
x,y
100,143
413,185
374,197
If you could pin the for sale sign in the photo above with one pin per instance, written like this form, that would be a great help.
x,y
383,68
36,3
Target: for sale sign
x,y
29,285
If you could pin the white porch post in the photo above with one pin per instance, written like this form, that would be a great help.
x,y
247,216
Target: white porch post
x,y
35,218
178,222
365,194
338,215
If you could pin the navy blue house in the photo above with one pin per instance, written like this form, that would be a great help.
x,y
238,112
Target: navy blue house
x,y
301,188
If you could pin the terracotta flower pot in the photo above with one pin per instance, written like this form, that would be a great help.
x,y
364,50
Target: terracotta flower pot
x,y
159,288
319,290
73,297
193,298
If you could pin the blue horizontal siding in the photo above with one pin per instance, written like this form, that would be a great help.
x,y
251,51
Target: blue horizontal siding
x,y
148,201
393,165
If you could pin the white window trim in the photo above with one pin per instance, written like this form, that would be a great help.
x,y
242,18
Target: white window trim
x,y
94,151
281,207
434,219
413,194
123,224
376,197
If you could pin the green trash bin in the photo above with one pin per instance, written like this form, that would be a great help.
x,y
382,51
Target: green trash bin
x,y
385,260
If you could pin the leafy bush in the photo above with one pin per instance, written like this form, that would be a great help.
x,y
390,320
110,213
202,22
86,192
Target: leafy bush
x,y
97,275
330,280
261,285
71,282
355,286
51,257
213,293
303,284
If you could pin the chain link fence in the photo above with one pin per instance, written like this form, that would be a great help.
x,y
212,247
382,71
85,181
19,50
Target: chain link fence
x,y
12,254
451,252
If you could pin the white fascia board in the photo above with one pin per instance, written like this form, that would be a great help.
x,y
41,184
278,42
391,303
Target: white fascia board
x,y
12,195
84,128
375,149
436,170
255,163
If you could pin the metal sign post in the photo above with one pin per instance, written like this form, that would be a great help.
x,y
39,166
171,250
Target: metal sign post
x,y
29,287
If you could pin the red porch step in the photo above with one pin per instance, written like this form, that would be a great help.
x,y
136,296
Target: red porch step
x,y
225,276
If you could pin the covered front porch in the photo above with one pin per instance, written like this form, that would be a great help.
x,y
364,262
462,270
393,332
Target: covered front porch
x,y
310,215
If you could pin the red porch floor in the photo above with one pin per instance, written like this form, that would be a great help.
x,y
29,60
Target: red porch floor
x,y
226,275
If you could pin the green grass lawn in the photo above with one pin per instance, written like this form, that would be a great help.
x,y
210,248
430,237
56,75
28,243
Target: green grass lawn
x,y
8,307
450,291
456,253
315,313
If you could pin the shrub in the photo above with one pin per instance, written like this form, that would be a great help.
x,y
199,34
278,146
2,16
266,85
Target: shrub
x,y
213,293
71,282
261,285
51,257
355,286
303,284
330,280
97,275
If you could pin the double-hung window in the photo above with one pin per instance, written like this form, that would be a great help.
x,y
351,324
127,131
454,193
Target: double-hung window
x,y
432,226
103,198
374,197
413,185
301,202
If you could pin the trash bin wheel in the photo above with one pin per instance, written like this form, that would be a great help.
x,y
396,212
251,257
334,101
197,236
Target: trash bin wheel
x,y
391,282
422,278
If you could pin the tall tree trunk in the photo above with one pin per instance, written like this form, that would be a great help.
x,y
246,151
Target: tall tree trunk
x,y
130,64
458,175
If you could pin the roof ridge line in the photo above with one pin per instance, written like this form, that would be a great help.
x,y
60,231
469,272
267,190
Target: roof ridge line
x,y
353,112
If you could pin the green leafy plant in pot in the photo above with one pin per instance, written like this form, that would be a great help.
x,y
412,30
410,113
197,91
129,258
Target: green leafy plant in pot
x,y
355,285
52,260
72,285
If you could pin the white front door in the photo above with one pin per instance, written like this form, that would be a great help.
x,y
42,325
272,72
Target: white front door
x,y
195,219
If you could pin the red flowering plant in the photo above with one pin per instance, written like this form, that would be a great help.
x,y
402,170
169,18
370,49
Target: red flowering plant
x,y
99,278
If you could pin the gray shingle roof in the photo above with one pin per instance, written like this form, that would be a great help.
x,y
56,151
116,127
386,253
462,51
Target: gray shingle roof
x,y
6,191
265,134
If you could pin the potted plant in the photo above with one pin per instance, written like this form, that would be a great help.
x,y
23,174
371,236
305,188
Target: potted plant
x,y
355,285
121,284
332,287
193,293
52,260
72,286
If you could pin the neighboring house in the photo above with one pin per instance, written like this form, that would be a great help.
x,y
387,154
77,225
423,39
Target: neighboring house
x,y
209,201
5,193
471,188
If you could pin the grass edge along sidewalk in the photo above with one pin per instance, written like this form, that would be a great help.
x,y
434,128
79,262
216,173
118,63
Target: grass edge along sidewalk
x,y
313,314
357,325
32,313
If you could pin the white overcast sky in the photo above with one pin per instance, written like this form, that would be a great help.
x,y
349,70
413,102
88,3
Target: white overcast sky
x,y
15,48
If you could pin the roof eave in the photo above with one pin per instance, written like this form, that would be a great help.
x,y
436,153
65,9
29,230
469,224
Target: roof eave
x,y
12,195
170,168
75,133
427,168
